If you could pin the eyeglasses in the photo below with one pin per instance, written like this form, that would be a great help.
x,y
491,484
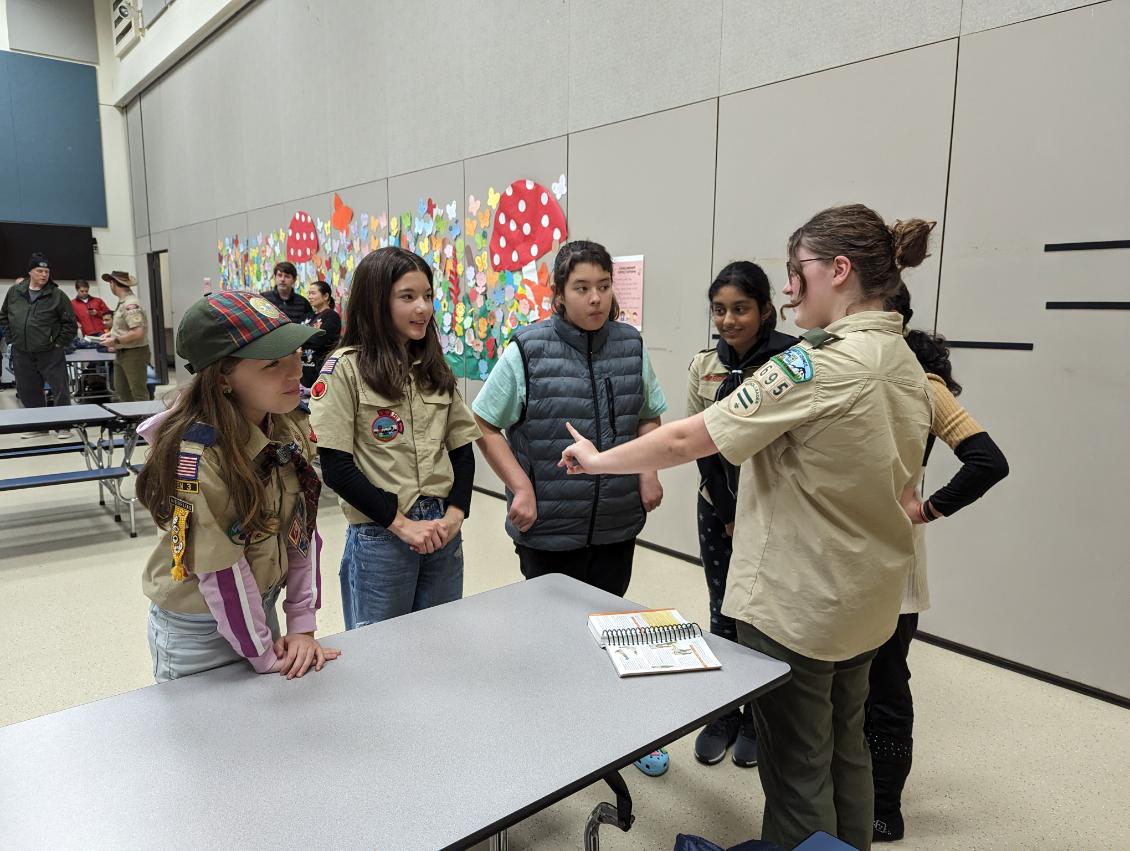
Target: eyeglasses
x,y
796,274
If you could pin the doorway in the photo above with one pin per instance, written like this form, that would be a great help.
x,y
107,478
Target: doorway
x,y
161,304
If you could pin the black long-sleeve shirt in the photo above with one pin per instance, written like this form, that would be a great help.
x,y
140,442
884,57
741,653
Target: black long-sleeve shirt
x,y
341,473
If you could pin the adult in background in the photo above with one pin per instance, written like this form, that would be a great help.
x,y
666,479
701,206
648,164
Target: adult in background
x,y
89,310
129,338
283,296
39,321
328,322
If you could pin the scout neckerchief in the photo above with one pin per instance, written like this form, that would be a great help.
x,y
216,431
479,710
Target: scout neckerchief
x,y
768,344
279,455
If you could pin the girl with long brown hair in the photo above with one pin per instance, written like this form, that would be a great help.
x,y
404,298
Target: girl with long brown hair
x,y
229,481
394,438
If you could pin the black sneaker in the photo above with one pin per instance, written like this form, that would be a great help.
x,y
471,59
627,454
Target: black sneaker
x,y
716,737
889,828
745,748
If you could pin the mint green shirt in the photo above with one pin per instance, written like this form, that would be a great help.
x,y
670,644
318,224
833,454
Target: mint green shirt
x,y
502,398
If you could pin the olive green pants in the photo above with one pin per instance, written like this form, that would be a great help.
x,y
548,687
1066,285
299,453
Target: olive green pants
x,y
130,373
812,756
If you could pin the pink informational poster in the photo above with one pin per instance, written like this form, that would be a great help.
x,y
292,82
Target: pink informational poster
x,y
627,281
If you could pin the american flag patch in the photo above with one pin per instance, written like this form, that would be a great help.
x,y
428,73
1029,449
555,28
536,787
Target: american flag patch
x,y
188,466
328,366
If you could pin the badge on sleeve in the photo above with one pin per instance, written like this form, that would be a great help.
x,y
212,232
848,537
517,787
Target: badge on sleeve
x,y
774,379
319,389
387,426
796,364
328,367
188,473
745,401
178,536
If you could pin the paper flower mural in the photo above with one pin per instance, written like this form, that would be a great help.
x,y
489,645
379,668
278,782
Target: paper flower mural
x,y
480,299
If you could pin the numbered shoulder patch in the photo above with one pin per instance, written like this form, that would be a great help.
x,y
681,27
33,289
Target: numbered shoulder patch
x,y
746,400
796,363
776,380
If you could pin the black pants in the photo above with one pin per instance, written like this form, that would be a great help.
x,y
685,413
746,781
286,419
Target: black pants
x,y
890,718
33,370
715,547
604,566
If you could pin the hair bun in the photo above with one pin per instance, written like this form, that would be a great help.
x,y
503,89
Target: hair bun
x,y
911,239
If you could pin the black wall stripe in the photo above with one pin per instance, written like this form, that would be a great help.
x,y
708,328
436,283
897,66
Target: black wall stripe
x,y
1087,246
975,344
1088,305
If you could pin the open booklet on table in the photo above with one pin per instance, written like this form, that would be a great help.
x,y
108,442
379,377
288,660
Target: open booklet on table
x,y
660,641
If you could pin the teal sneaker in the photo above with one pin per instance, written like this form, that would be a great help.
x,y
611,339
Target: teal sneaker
x,y
655,763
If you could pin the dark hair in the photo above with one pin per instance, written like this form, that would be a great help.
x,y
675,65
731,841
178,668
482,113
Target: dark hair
x,y
753,282
325,289
930,349
569,256
878,253
81,283
286,267
108,313
369,329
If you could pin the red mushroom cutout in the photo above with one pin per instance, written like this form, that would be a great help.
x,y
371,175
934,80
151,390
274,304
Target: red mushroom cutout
x,y
301,238
527,224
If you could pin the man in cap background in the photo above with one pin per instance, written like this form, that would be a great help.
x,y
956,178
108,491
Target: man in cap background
x,y
129,338
38,319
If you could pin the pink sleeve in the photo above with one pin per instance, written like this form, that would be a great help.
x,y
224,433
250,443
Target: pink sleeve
x,y
303,587
234,600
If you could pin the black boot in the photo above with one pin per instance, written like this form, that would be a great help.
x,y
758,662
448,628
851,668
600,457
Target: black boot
x,y
890,766
716,737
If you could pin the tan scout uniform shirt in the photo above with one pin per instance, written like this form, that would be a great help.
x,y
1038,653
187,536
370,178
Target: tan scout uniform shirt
x,y
706,374
830,434
953,424
400,445
127,316
215,541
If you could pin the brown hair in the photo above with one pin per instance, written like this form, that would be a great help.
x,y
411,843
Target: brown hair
x,y
569,256
878,253
203,400
286,267
381,358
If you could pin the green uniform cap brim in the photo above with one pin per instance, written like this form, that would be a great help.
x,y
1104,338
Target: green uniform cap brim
x,y
283,341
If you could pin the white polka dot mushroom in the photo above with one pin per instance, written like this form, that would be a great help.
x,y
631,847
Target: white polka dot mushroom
x,y
301,239
528,222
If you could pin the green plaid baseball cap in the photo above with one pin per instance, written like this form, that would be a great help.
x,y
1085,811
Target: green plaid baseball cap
x,y
240,325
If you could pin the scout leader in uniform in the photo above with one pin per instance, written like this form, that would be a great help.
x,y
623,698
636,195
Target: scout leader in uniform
x,y
394,438
229,480
830,433
129,338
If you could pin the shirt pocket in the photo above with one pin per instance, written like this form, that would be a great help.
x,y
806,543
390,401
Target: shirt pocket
x,y
381,425
436,407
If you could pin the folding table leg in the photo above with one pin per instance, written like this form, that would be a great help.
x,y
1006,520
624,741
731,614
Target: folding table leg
x,y
604,813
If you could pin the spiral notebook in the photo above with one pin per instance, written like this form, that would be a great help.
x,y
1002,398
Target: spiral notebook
x,y
660,641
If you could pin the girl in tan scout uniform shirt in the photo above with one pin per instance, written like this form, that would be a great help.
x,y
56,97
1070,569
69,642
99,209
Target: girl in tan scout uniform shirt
x,y
741,305
830,433
394,438
890,706
229,480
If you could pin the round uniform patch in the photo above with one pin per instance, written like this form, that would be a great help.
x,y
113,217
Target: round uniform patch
x,y
264,307
746,400
387,426
319,389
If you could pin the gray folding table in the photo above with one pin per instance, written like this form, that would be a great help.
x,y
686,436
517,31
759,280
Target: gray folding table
x,y
73,418
102,362
436,730
127,417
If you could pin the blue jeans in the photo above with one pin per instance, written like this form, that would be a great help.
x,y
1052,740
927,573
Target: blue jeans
x,y
382,578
